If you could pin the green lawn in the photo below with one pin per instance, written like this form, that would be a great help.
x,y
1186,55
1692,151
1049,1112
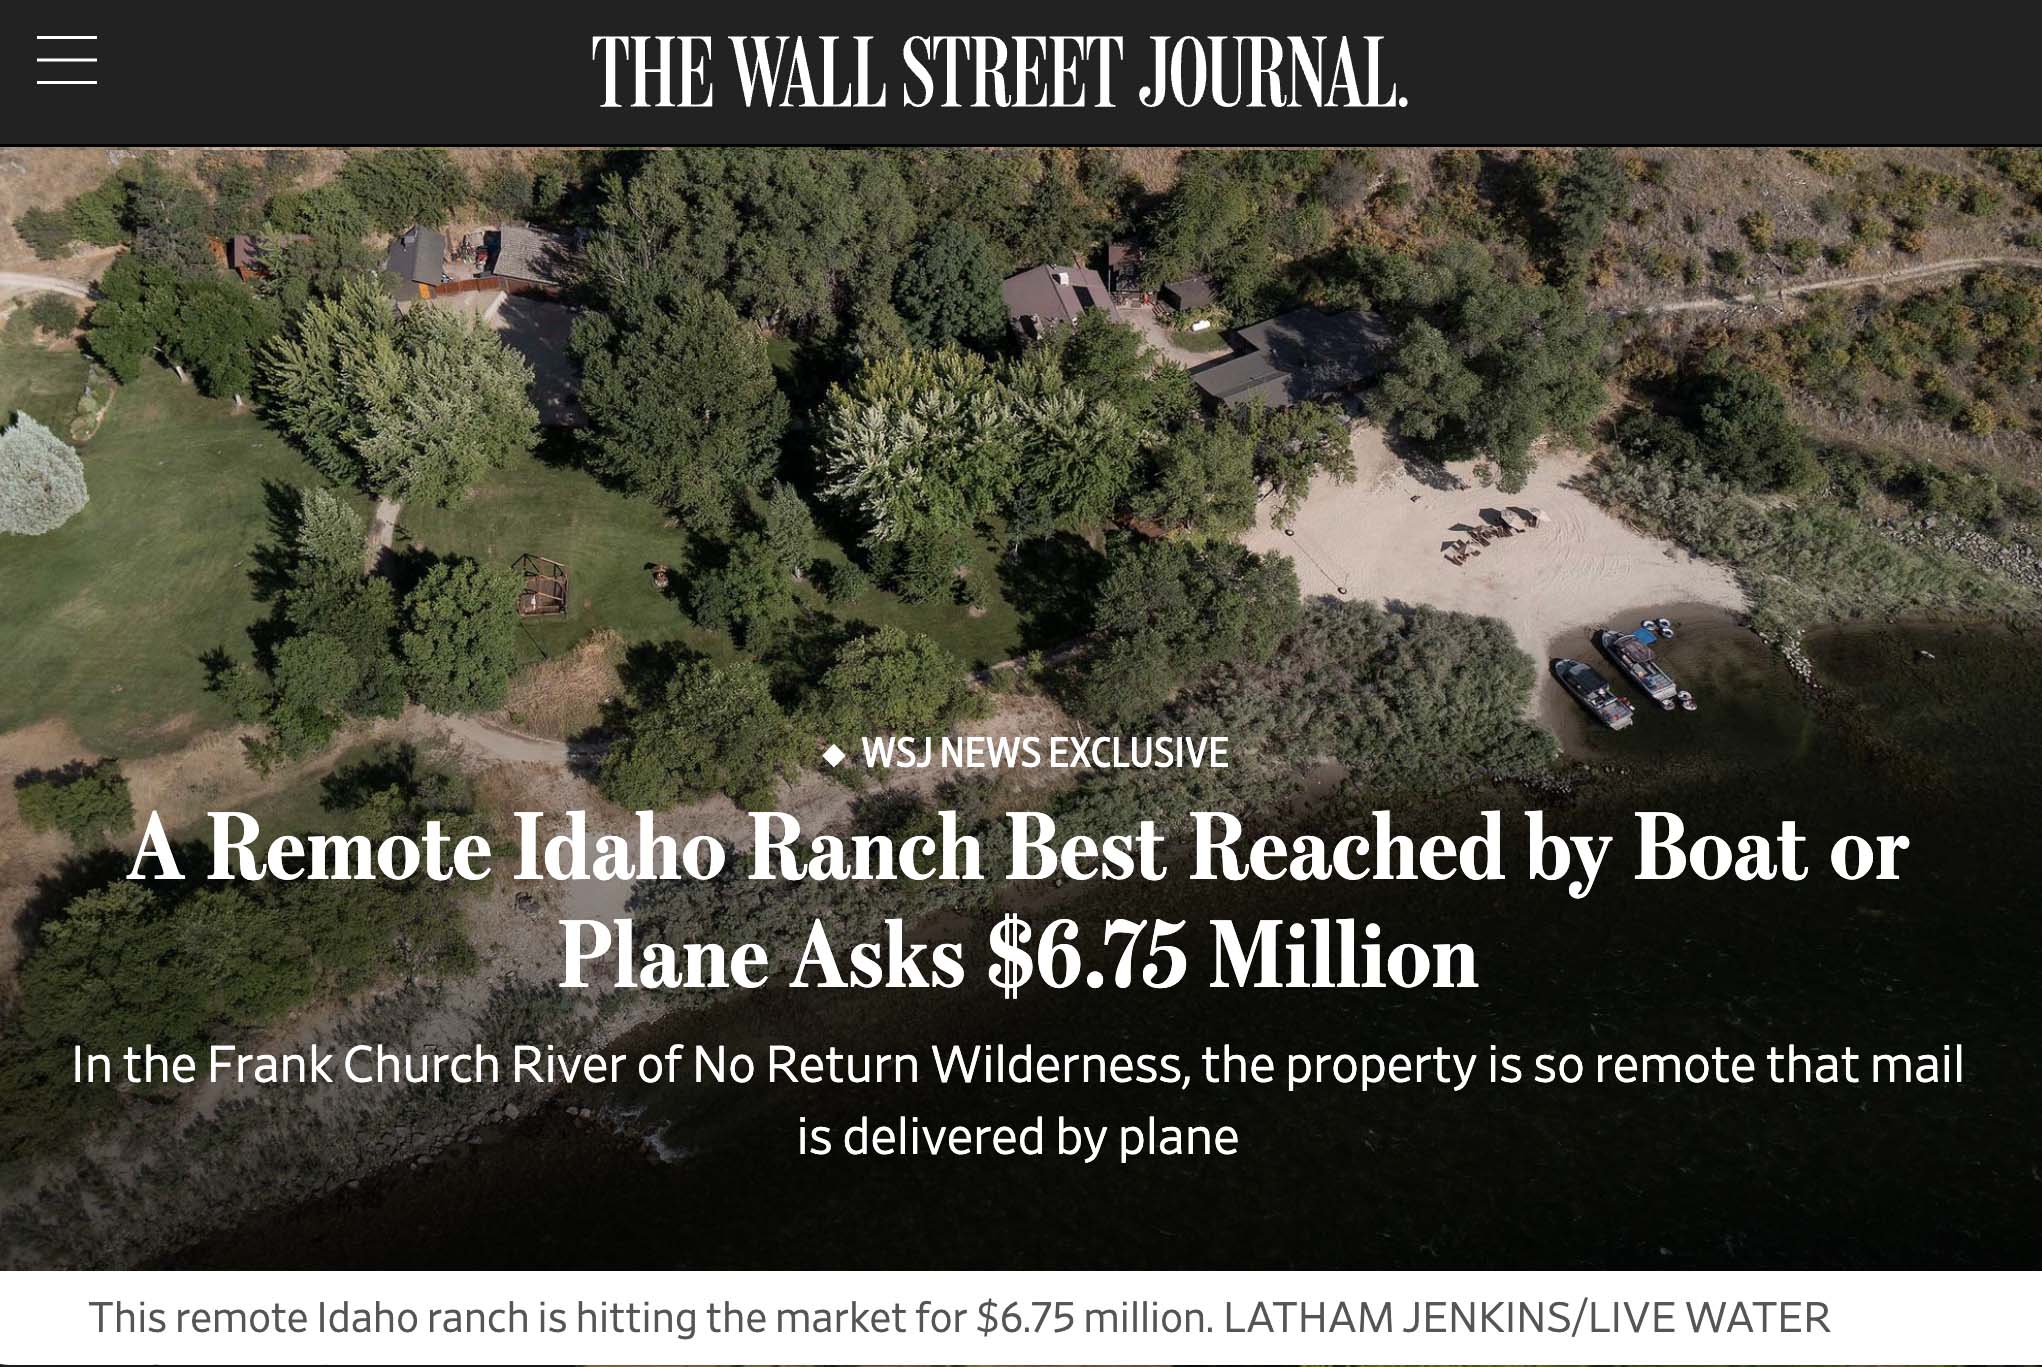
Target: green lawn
x,y
606,539
46,384
1210,339
979,641
114,610
109,614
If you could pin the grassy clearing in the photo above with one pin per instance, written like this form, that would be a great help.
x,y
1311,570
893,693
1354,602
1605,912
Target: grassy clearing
x,y
607,540
610,540
44,382
978,641
114,608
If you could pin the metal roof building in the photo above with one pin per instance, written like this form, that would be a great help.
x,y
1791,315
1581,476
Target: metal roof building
x,y
419,257
1049,295
1300,355
1191,293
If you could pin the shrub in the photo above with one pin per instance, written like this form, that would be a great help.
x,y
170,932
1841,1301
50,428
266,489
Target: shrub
x,y
85,804
1757,227
48,233
54,314
42,481
840,580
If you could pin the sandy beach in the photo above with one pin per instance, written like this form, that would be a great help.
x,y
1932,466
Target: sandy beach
x,y
1382,538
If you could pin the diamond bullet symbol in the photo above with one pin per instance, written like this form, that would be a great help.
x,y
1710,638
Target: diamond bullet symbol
x,y
835,755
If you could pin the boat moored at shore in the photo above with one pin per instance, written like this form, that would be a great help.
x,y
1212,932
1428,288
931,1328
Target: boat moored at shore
x,y
1602,702
1631,653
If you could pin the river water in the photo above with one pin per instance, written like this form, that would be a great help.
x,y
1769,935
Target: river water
x,y
1924,730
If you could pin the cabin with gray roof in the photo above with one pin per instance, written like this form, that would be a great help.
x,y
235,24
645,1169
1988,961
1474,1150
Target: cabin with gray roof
x,y
1301,355
1192,293
418,258
1047,297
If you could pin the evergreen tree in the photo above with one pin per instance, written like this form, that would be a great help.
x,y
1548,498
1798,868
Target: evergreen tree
x,y
682,402
949,290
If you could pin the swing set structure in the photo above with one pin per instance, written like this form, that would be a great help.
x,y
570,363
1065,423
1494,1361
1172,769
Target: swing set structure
x,y
545,590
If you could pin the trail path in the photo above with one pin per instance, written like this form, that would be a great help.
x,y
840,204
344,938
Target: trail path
x,y
382,533
513,747
1926,269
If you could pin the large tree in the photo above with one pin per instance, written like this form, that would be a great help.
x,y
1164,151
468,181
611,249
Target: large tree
x,y
1485,364
890,681
922,441
949,289
682,403
1078,459
1293,445
707,730
786,234
745,595
1170,611
209,324
308,692
1109,361
459,642
418,405
1746,430
1202,479
1591,193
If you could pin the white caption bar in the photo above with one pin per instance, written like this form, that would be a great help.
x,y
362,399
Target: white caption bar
x,y
1012,1317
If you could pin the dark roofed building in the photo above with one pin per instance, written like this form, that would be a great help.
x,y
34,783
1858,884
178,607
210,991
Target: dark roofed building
x,y
1123,267
1191,293
1048,296
244,255
1300,355
419,257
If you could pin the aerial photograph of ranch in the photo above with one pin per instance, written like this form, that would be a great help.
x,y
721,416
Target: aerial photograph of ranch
x,y
355,489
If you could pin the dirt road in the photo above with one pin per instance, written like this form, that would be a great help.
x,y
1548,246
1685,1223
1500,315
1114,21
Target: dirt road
x,y
14,282
1926,269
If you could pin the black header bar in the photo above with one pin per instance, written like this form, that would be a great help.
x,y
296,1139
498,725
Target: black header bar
x,y
1449,74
